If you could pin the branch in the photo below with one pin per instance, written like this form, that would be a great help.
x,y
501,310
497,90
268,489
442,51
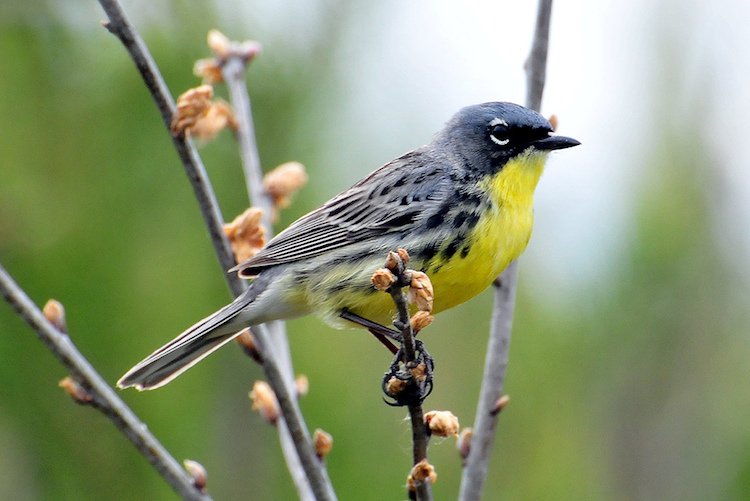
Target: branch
x,y
490,398
120,26
308,472
410,363
103,397
233,71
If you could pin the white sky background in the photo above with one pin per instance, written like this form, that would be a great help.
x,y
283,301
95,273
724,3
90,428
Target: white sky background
x,y
406,66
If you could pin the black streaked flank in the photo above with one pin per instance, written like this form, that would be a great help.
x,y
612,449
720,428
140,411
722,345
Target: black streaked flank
x,y
452,247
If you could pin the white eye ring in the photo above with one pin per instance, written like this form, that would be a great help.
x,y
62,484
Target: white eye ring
x,y
499,121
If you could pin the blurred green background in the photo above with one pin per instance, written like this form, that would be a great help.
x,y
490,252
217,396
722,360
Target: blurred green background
x,y
629,372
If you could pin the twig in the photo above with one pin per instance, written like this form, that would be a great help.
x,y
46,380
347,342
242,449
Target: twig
x,y
233,71
103,397
295,438
120,26
475,471
419,433
313,467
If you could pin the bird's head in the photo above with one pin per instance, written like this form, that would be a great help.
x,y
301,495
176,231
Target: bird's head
x,y
486,136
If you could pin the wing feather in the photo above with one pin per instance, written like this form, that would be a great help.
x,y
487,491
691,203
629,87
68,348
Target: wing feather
x,y
389,200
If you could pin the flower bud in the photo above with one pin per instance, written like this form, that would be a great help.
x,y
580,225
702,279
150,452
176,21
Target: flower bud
x,y
323,443
420,320
77,392
198,473
382,279
54,311
421,472
264,401
420,291
441,423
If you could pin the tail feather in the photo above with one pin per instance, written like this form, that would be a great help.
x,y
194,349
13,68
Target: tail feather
x,y
189,348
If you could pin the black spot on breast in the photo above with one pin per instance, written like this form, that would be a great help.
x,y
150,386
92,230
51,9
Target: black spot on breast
x,y
472,220
465,251
452,247
429,251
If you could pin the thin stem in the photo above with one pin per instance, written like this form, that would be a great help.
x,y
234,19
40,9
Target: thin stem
x,y
104,398
316,473
419,433
233,71
496,361
308,473
120,26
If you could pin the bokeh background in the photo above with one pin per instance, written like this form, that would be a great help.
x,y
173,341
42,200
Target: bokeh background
x,y
629,372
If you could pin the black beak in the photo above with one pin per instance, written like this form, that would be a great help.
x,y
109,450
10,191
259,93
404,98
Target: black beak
x,y
554,142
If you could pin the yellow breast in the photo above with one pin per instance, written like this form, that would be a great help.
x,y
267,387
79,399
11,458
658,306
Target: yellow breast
x,y
500,236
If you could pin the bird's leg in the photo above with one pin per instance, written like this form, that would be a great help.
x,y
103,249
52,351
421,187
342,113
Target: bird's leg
x,y
381,332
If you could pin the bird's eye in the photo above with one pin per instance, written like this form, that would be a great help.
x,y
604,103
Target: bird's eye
x,y
500,134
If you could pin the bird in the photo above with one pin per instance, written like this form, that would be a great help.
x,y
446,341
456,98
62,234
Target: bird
x,y
461,205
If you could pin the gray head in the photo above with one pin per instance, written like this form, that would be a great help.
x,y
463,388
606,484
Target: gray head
x,y
485,136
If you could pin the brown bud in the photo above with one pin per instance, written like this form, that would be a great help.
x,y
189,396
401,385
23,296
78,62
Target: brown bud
x,y
197,472
217,117
209,70
302,385
246,340
393,262
395,386
283,181
463,444
323,443
77,392
191,104
419,372
264,401
219,43
246,234
382,279
553,122
420,473
54,312
501,404
420,320
441,423
403,255
420,291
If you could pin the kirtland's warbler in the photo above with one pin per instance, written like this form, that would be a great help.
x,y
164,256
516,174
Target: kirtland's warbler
x,y
462,206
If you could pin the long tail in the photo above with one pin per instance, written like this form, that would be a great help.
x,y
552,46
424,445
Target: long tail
x,y
190,347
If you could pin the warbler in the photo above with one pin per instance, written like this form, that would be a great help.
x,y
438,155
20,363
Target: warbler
x,y
462,206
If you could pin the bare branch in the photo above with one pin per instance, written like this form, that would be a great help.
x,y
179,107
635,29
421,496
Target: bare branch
x,y
234,75
483,434
102,396
308,472
120,26
412,393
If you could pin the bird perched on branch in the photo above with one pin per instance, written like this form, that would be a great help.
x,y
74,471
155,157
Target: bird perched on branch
x,y
462,206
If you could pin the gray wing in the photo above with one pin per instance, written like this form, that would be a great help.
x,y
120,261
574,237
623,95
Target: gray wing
x,y
390,200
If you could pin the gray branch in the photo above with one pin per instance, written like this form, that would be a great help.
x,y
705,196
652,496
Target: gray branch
x,y
120,26
487,414
104,398
308,472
